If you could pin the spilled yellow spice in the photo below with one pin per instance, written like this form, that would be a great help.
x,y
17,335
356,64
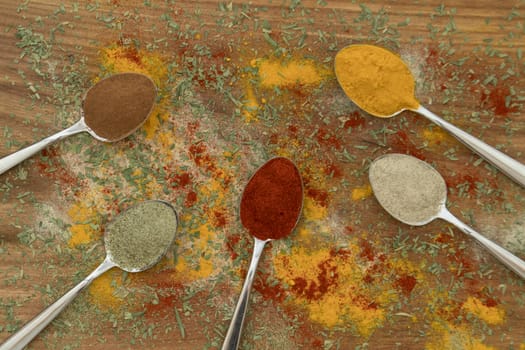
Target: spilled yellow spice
x,y
436,136
85,223
491,315
362,192
313,211
102,290
449,336
279,73
250,105
191,269
288,73
315,278
202,236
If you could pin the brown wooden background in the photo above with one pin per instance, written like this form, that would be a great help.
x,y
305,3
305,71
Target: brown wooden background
x,y
468,60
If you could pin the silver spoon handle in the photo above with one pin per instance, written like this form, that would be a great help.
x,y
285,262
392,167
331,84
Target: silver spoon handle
x,y
31,329
510,260
233,336
13,159
509,166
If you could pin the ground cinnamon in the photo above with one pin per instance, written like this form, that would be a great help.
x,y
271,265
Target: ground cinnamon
x,y
272,201
116,106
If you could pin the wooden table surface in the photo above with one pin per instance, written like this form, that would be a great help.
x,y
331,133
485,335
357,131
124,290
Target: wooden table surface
x,y
240,83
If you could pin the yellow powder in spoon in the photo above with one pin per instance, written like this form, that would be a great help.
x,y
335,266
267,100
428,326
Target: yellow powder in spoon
x,y
375,79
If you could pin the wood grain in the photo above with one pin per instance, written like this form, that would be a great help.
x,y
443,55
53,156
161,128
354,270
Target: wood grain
x,y
467,59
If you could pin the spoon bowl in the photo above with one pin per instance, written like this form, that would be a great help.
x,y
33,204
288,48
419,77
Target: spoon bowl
x,y
126,259
112,109
413,192
270,209
386,88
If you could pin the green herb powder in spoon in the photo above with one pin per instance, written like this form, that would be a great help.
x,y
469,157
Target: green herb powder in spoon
x,y
133,245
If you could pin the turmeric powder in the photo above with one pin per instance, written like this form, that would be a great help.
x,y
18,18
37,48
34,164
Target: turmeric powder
x,y
375,79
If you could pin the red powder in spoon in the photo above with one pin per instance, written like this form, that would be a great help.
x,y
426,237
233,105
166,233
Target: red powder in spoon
x,y
272,200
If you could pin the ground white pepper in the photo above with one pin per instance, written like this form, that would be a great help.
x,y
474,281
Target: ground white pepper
x,y
409,189
138,237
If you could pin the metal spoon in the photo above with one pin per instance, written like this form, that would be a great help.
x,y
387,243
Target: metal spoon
x,y
138,87
509,166
31,329
397,189
251,199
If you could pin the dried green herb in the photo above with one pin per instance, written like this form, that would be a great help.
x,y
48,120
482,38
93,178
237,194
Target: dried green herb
x,y
140,236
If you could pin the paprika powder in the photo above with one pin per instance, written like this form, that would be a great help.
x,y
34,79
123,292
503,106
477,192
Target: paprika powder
x,y
272,200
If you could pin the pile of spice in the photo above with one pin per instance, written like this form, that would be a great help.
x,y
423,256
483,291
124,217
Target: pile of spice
x,y
116,106
272,200
375,79
140,236
408,188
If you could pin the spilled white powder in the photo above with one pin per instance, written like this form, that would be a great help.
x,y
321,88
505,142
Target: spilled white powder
x,y
409,189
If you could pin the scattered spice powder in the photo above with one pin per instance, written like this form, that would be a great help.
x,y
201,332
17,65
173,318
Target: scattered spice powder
x,y
492,315
375,79
295,72
360,193
272,200
138,237
116,106
450,336
329,285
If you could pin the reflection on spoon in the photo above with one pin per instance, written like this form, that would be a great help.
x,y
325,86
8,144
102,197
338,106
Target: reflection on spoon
x,y
112,109
380,83
135,241
271,205
413,192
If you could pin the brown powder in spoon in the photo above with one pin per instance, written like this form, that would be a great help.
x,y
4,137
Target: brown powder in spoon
x,y
116,106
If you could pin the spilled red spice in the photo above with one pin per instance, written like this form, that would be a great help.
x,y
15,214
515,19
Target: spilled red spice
x,y
324,137
232,243
433,59
164,306
130,53
355,119
319,196
269,291
293,129
490,302
443,238
333,170
179,180
326,280
199,155
364,302
406,284
192,127
53,169
191,199
468,182
367,251
496,100
219,218
401,143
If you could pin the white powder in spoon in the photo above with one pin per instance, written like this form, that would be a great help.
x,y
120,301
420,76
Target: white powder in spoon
x,y
409,189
